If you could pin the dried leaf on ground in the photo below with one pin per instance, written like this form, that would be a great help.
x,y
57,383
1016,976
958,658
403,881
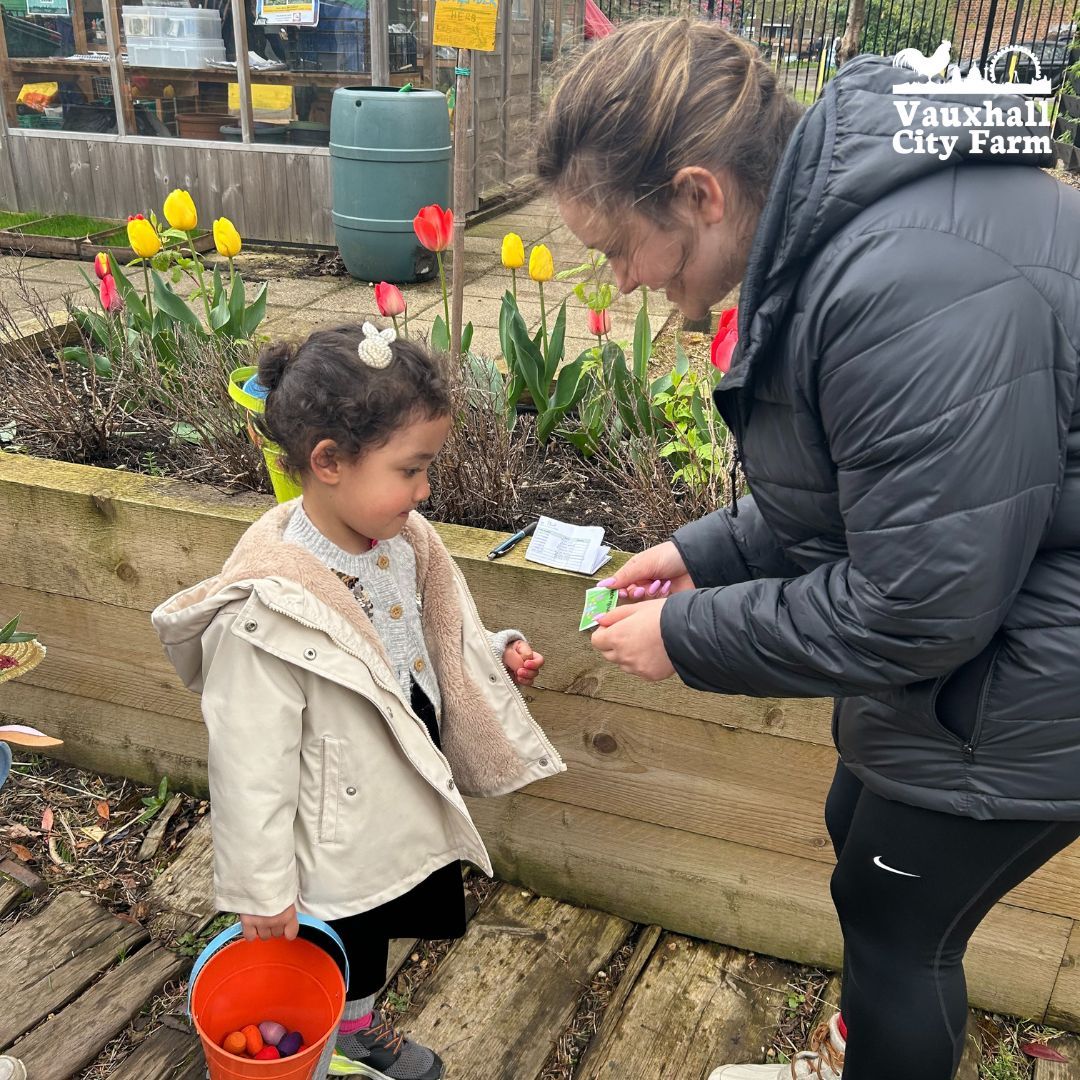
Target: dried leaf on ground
x,y
103,810
47,820
23,854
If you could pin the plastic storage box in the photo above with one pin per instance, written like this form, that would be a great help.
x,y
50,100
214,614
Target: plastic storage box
x,y
149,21
168,52
201,23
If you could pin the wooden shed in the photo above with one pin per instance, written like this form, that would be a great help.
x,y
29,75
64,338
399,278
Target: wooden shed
x,y
104,109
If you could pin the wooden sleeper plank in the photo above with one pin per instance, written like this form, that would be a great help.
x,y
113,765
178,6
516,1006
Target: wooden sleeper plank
x,y
72,1038
48,960
695,1006
506,991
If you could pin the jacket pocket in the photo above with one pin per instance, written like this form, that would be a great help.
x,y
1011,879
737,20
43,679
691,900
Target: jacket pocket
x,y
959,699
328,795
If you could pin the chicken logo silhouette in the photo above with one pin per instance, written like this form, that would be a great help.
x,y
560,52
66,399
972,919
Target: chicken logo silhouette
x,y
952,81
945,125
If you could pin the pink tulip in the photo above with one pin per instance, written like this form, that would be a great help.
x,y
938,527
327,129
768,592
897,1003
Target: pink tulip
x,y
727,337
109,295
599,322
389,300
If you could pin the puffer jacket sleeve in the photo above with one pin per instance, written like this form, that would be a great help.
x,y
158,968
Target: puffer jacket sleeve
x,y
724,548
253,708
933,367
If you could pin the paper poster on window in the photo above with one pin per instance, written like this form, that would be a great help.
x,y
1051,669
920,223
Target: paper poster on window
x,y
287,12
466,24
48,7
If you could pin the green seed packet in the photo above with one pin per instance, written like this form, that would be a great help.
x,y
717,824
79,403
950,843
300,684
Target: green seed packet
x,y
597,602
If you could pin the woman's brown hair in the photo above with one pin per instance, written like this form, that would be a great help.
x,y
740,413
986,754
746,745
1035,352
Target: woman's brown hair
x,y
657,96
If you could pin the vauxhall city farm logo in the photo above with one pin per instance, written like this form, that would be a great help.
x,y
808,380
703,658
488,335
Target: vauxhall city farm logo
x,y
931,127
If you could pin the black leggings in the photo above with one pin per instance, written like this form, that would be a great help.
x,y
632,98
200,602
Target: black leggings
x,y
910,887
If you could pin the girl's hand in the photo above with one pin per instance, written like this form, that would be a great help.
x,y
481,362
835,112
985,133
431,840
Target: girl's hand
x,y
630,637
265,927
656,572
522,663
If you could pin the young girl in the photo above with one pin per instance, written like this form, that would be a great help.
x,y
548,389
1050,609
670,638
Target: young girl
x,y
352,695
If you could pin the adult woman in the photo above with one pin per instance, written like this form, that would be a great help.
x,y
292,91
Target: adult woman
x,y
904,396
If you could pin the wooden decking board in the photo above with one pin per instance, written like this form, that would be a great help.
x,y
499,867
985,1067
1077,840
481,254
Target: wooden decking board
x,y
507,990
48,960
695,1006
11,892
167,1054
71,1039
182,896
1069,1047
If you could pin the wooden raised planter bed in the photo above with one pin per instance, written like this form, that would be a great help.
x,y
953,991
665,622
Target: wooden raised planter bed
x,y
17,242
700,813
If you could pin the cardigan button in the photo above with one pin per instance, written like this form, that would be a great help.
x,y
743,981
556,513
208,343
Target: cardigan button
x,y
382,562
418,664
396,612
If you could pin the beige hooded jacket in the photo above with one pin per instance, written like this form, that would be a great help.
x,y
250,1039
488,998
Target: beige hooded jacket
x,y
326,788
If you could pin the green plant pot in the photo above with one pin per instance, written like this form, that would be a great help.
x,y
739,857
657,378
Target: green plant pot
x,y
285,486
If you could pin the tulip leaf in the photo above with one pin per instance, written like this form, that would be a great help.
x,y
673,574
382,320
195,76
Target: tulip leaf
x,y
220,315
102,365
528,360
440,335
132,300
466,338
555,346
218,288
256,312
237,301
172,305
642,343
506,343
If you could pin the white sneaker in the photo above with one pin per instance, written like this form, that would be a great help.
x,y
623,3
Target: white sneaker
x,y
823,1061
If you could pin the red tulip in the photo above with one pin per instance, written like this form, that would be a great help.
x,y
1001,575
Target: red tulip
x,y
389,300
101,265
434,227
109,295
599,322
727,337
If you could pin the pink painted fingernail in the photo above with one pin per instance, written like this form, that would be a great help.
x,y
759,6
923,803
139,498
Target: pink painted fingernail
x,y
623,593
639,592
606,583
654,588
666,589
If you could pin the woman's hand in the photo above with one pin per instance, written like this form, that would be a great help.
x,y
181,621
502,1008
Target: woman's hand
x,y
657,571
265,927
630,637
522,663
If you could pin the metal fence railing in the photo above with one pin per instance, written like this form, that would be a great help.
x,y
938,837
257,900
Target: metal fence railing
x,y
801,37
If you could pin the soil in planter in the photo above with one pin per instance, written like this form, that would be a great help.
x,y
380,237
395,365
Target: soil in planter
x,y
68,226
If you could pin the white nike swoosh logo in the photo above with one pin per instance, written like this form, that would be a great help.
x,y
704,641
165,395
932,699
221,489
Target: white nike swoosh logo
x,y
881,866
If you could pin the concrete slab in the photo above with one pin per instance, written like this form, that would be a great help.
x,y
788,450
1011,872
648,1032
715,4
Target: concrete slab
x,y
300,292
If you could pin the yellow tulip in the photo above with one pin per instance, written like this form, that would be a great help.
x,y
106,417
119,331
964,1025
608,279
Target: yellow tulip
x,y
143,238
513,251
226,238
541,267
180,211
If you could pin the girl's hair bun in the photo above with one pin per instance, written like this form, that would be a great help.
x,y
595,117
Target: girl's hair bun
x,y
273,360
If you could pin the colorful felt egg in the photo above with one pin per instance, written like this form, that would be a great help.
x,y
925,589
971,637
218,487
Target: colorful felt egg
x,y
290,1044
268,1053
252,1038
234,1043
272,1032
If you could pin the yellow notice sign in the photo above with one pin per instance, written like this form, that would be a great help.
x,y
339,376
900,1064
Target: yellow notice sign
x,y
466,24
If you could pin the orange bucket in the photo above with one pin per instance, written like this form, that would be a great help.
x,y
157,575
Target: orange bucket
x,y
297,983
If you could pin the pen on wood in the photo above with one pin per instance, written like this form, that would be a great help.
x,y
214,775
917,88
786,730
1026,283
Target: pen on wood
x,y
509,543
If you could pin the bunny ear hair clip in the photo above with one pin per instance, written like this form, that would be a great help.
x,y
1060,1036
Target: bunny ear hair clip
x,y
374,349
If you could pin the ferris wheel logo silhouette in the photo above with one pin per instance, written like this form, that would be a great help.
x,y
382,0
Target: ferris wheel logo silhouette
x,y
938,75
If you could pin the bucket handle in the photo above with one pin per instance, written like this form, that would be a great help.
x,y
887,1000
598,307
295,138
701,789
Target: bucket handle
x,y
230,933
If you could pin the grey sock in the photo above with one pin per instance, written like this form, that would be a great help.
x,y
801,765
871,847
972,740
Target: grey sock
x,y
358,1009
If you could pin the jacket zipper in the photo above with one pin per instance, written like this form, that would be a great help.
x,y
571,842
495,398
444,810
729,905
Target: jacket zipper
x,y
507,681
